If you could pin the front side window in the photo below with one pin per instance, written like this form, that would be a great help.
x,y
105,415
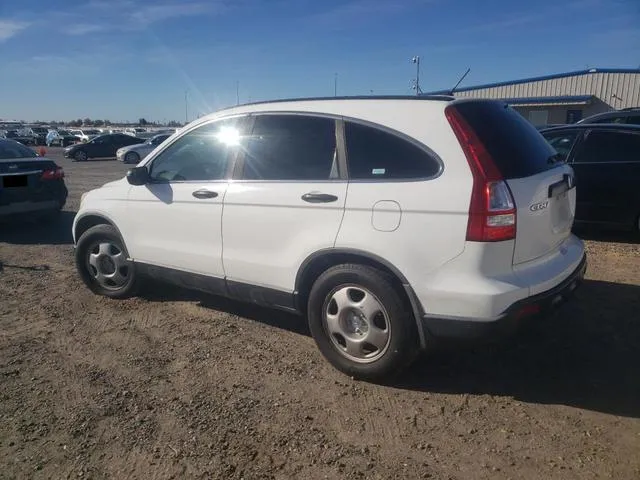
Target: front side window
x,y
379,155
609,147
291,147
201,154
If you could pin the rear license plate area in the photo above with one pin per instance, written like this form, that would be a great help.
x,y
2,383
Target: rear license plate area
x,y
14,181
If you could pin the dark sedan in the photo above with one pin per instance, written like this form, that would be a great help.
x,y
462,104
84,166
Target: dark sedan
x,y
28,183
606,161
103,146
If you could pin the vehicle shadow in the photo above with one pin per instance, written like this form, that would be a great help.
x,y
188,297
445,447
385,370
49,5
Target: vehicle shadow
x,y
606,235
156,291
585,356
47,231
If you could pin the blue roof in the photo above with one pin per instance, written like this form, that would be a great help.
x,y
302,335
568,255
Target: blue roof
x,y
556,99
536,79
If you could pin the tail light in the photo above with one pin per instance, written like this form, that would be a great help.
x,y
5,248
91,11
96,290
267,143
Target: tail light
x,y
54,174
492,211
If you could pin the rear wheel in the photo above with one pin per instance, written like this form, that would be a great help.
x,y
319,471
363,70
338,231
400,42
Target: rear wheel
x,y
360,323
102,262
132,157
80,156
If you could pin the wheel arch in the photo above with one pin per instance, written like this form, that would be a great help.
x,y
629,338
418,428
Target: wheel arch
x,y
88,220
322,260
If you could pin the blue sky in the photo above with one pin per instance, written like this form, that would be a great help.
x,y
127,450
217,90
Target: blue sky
x,y
125,59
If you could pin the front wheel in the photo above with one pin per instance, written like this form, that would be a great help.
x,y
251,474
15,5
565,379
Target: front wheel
x,y
132,157
80,156
360,322
103,263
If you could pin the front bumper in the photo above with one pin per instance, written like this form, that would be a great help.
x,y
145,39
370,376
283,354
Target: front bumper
x,y
536,305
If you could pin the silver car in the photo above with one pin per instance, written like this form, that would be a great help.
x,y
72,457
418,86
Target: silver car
x,y
135,153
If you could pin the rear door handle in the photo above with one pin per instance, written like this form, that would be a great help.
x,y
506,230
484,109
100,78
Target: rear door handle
x,y
319,198
203,193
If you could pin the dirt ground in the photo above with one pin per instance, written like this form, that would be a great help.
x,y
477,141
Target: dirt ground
x,y
178,385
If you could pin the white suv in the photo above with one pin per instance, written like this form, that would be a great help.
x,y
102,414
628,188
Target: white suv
x,y
388,221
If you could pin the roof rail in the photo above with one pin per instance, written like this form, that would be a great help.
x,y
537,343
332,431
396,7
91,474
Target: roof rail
x,y
444,98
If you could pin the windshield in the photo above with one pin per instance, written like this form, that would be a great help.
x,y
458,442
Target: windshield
x,y
40,130
11,150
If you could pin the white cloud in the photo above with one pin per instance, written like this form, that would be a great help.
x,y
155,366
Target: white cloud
x,y
157,13
10,28
127,15
84,28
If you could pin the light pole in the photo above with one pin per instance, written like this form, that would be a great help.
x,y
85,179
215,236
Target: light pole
x,y
335,84
416,60
237,92
186,108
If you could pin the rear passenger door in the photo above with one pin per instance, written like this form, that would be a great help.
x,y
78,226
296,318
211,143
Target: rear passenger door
x,y
397,201
607,168
286,201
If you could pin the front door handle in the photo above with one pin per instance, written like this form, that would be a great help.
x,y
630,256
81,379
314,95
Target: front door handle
x,y
203,193
319,198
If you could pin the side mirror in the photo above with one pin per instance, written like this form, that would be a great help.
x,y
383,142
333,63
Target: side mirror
x,y
138,176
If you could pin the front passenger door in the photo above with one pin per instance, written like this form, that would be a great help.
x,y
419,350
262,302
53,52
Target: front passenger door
x,y
176,219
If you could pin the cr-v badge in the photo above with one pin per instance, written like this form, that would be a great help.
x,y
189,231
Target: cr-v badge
x,y
536,207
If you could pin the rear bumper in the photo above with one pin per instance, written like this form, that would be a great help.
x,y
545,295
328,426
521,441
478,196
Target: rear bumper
x,y
53,197
30,207
539,304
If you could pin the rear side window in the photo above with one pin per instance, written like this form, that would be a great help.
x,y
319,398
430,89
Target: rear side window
x,y
633,119
376,154
609,147
562,141
517,148
291,147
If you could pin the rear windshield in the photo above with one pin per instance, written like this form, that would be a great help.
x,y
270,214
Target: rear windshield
x,y
515,145
10,150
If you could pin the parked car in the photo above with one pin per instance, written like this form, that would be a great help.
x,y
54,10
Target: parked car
x,y
16,136
386,234
102,146
36,135
135,131
134,153
625,116
28,183
606,160
85,135
62,138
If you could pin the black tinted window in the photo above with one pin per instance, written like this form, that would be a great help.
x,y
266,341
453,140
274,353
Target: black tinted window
x,y
201,154
562,142
11,149
610,147
633,119
291,147
375,154
516,147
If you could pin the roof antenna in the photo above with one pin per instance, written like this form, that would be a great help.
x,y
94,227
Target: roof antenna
x,y
459,82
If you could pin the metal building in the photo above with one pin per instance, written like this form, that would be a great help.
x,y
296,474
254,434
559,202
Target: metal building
x,y
563,97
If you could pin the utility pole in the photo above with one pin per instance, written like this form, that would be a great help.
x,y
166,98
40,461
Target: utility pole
x,y
237,92
335,84
186,107
416,60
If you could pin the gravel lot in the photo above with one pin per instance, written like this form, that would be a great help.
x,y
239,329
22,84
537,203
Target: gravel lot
x,y
178,385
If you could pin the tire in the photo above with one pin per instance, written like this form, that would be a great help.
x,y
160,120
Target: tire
x,y
360,322
102,262
80,156
132,157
